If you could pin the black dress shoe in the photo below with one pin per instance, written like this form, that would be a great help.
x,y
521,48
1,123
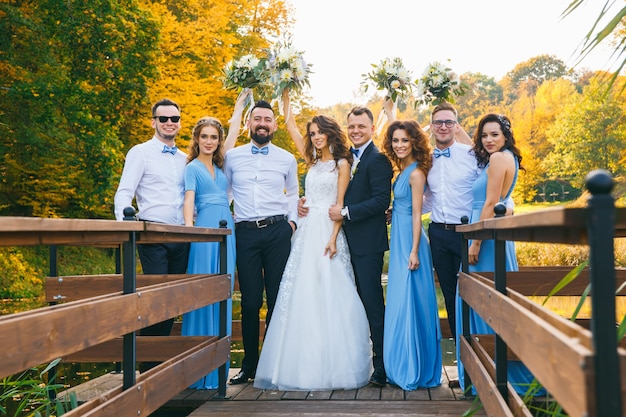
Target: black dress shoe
x,y
241,378
378,378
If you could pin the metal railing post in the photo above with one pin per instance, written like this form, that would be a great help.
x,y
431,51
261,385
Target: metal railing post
x,y
129,355
600,232
465,310
221,373
500,286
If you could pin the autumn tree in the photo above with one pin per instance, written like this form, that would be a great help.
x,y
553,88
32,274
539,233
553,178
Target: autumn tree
x,y
533,116
527,76
589,134
197,39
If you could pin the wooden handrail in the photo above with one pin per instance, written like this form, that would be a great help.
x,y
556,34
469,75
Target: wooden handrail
x,y
108,319
553,348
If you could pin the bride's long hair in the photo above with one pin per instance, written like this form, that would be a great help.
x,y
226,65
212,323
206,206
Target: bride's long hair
x,y
337,140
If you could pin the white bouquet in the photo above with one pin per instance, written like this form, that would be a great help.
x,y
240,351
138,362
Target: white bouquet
x,y
286,68
437,84
389,75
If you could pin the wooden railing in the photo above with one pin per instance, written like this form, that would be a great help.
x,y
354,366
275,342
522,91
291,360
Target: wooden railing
x,y
91,320
583,369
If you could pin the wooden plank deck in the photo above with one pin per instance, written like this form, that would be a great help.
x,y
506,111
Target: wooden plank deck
x,y
245,400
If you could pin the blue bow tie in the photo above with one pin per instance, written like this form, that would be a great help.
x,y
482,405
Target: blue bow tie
x,y
439,152
171,150
264,150
355,152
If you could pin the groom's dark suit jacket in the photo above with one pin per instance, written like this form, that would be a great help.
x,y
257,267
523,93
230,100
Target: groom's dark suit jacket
x,y
367,197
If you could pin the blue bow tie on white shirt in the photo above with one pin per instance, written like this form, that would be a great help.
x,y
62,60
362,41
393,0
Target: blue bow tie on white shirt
x,y
439,152
355,152
264,150
171,150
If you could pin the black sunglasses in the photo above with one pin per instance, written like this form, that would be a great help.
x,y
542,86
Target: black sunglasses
x,y
163,119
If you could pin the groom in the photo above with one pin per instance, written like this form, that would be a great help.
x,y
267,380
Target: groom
x,y
367,197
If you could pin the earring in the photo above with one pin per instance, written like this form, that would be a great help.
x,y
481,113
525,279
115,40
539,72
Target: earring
x,y
330,149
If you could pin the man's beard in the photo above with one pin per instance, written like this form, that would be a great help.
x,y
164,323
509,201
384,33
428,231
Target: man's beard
x,y
261,140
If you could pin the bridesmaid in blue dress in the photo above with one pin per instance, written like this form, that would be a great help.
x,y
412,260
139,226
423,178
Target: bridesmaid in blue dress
x,y
495,150
412,349
205,195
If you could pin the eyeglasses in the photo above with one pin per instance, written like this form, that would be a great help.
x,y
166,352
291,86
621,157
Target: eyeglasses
x,y
163,119
448,123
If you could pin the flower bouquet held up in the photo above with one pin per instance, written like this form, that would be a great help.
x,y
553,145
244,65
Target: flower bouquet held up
x,y
392,76
438,84
286,68
243,75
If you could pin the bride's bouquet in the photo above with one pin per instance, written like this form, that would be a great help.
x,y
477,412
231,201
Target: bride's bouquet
x,y
286,68
390,75
438,84
242,73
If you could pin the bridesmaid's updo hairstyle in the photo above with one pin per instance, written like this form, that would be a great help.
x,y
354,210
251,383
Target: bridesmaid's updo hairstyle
x,y
420,144
337,140
194,149
482,156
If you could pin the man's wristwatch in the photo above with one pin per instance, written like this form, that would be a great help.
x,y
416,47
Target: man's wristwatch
x,y
344,212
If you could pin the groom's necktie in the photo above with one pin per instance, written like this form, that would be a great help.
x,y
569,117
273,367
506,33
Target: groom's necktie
x,y
355,152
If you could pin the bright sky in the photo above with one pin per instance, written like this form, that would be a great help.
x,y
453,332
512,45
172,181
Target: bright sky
x,y
341,38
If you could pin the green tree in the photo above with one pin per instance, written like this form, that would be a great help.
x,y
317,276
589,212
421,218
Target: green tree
x,y
70,72
589,134
483,96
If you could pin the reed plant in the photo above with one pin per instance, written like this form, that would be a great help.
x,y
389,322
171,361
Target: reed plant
x,y
32,393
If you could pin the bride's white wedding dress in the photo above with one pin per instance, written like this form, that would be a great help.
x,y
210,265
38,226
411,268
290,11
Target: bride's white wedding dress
x,y
318,338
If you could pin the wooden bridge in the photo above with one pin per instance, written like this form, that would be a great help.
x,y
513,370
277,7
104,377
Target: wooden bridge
x,y
97,317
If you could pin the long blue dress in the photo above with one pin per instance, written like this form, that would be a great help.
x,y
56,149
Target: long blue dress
x,y
412,348
212,206
518,375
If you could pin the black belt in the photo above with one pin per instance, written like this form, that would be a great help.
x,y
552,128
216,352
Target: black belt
x,y
259,224
445,226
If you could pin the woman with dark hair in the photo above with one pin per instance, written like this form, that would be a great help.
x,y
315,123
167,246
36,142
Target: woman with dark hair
x,y
495,152
318,338
412,350
206,198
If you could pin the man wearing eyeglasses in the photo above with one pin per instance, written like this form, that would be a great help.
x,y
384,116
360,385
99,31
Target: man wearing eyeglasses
x,y
449,197
154,175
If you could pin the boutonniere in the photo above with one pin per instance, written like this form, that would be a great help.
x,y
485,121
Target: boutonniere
x,y
355,168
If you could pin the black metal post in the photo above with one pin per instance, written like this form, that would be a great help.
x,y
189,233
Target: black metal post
x,y
129,355
221,373
500,286
600,231
54,272
465,310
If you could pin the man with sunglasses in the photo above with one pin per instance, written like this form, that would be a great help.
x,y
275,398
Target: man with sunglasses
x,y
154,175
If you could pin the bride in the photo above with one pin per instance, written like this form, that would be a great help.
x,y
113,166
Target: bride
x,y
318,338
